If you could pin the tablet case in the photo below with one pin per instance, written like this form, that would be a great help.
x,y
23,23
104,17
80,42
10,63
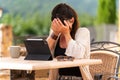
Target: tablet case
x,y
37,49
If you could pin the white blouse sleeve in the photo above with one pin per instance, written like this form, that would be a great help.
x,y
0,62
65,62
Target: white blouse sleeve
x,y
80,47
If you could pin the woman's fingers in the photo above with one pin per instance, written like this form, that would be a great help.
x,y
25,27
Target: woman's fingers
x,y
58,26
66,23
55,22
55,26
60,22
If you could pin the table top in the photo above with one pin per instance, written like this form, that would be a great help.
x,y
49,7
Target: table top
x,y
21,64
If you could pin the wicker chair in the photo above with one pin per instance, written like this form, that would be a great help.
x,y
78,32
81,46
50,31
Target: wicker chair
x,y
109,53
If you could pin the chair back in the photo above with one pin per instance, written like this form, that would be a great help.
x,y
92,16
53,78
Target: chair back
x,y
110,55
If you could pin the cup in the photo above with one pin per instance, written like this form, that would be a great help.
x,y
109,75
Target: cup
x,y
14,51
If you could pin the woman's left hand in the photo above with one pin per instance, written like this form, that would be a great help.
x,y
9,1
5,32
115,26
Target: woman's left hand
x,y
65,29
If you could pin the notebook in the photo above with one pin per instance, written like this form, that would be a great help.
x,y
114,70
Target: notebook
x,y
37,49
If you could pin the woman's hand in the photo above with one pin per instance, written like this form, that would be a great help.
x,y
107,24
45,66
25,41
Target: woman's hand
x,y
67,28
56,27
59,27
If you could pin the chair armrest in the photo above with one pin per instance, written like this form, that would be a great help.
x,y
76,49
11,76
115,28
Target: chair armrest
x,y
113,77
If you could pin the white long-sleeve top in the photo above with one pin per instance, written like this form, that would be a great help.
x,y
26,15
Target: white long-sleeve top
x,y
79,48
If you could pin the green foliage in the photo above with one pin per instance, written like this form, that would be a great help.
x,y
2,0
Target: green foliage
x,y
28,17
35,24
86,20
106,12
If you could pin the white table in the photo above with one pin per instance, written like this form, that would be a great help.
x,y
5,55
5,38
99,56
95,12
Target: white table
x,y
21,64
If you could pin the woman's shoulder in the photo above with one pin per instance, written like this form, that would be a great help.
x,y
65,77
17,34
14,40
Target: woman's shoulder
x,y
82,29
82,32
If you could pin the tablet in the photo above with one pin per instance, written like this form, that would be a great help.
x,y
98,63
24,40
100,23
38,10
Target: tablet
x,y
37,49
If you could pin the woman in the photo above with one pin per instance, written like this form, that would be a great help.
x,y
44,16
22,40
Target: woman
x,y
67,39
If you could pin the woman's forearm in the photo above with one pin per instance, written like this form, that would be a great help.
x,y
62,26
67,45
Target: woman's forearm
x,y
67,38
51,43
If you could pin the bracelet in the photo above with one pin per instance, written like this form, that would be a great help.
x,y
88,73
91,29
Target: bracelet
x,y
53,36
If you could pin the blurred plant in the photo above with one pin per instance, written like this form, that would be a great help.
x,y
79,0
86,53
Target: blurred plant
x,y
29,25
106,12
86,20
36,24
